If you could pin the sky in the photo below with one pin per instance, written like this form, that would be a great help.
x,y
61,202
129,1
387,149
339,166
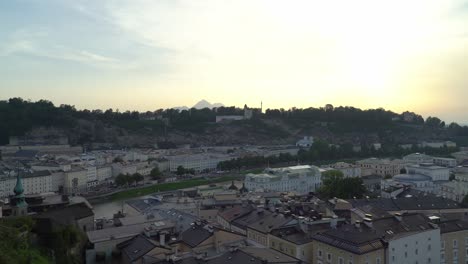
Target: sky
x,y
150,54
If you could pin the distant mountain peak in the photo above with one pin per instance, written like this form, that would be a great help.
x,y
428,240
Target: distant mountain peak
x,y
205,104
200,105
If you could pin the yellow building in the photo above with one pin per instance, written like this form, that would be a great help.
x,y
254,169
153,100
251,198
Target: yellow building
x,y
453,241
292,242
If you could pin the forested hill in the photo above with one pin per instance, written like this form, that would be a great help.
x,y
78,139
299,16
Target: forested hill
x,y
197,127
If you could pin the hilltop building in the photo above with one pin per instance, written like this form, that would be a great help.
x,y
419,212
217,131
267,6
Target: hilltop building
x,y
301,179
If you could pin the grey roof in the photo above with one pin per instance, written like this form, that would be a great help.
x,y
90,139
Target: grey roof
x,y
139,219
271,256
454,225
142,205
411,177
427,202
252,217
105,234
68,214
294,235
183,220
271,221
235,212
26,153
136,247
245,255
195,235
363,239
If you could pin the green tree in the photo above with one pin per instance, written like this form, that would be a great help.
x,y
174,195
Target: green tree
x,y
335,185
464,202
137,177
181,170
155,173
121,180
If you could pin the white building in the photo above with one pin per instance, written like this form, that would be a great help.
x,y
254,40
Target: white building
x,y
417,158
439,144
119,168
103,173
445,162
460,156
457,189
76,181
198,162
437,173
227,118
306,142
381,167
34,182
348,170
421,246
300,179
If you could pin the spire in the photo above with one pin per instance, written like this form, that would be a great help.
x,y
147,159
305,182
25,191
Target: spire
x,y
19,185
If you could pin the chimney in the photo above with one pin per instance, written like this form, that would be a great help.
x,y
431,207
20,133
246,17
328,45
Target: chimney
x,y
398,216
162,238
334,222
434,219
357,224
368,222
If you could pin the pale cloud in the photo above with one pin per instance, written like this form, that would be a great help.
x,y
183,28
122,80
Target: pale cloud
x,y
401,55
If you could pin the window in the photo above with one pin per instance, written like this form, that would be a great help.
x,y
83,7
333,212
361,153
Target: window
x,y
393,258
320,253
406,254
429,260
429,247
455,254
340,260
442,245
377,261
329,256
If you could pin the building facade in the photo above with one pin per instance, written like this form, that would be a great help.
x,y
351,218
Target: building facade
x,y
301,179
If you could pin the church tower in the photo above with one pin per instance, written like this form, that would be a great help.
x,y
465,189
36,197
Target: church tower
x,y
20,207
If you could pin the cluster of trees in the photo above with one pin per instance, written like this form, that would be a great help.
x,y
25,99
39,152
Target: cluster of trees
x,y
156,173
322,151
20,116
16,246
183,171
126,179
335,185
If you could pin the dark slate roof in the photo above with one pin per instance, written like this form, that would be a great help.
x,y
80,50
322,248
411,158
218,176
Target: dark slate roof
x,y
271,221
72,212
269,255
363,239
195,235
26,153
235,212
293,235
136,247
246,255
252,217
142,205
453,226
422,202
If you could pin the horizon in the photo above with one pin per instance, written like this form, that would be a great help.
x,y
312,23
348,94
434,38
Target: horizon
x,y
145,55
237,106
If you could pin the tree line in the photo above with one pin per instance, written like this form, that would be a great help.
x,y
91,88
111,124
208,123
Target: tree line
x,y
321,151
19,116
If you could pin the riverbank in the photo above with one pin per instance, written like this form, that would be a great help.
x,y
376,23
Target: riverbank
x,y
132,193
